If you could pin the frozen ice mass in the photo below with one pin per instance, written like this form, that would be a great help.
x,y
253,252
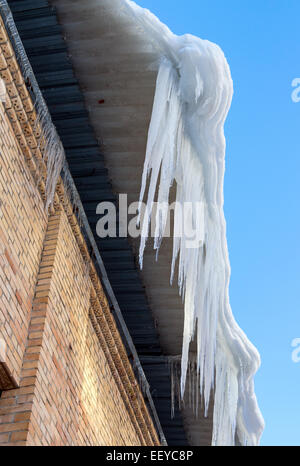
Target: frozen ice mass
x,y
186,146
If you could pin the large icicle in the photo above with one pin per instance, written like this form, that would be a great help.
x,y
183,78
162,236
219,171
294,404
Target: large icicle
x,y
186,143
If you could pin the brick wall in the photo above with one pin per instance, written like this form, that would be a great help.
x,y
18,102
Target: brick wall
x,y
67,393
22,228
64,372
76,400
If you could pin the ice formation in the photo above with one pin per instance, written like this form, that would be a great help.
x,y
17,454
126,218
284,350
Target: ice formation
x,y
53,151
186,144
2,91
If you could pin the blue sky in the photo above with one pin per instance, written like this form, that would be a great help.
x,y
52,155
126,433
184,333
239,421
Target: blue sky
x,y
261,40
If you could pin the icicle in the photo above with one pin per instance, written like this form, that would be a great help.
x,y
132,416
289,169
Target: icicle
x,y
2,91
225,403
53,151
172,391
174,370
186,144
191,398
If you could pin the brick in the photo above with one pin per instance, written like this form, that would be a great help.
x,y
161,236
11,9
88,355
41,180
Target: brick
x,y
17,436
11,427
4,438
27,382
16,392
22,416
6,418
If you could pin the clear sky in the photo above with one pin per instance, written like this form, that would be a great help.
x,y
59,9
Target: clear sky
x,y
261,40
